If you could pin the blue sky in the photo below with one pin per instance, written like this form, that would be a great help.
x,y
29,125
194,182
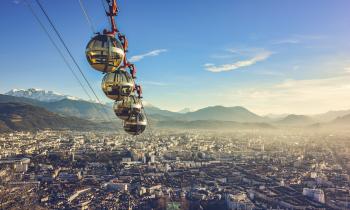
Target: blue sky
x,y
271,56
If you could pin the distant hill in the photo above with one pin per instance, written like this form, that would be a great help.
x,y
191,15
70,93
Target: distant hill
x,y
152,110
338,124
159,117
97,112
276,116
221,113
345,120
216,113
212,125
295,120
9,99
331,115
185,110
25,117
87,110
82,109
67,107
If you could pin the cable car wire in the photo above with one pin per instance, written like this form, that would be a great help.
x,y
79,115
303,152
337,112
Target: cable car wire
x,y
105,9
104,6
71,56
68,51
113,12
87,17
60,53
56,47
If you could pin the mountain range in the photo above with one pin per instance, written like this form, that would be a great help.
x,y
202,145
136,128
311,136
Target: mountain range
x,y
291,120
25,117
331,115
209,117
39,94
185,110
67,107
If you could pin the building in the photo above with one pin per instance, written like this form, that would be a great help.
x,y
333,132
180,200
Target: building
x,y
315,194
238,201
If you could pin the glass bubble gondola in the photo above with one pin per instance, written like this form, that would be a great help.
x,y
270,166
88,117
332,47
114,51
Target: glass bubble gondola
x,y
124,108
118,85
105,53
136,124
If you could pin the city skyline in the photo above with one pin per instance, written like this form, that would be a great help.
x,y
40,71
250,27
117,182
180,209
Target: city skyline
x,y
188,170
290,57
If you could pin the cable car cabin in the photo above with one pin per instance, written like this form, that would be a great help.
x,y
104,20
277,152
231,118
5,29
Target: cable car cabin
x,y
118,85
104,53
124,108
136,124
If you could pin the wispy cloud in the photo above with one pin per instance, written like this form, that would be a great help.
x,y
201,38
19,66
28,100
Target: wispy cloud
x,y
154,83
287,41
152,53
261,56
297,96
297,39
311,36
245,51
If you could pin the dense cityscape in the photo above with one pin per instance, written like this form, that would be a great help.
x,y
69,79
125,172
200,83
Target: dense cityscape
x,y
250,169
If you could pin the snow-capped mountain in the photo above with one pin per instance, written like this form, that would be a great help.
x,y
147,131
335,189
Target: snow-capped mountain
x,y
39,94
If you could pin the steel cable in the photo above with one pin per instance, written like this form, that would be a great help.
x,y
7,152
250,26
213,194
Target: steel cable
x,y
87,17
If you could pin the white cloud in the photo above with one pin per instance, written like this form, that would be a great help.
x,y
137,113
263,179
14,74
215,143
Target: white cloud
x,y
245,51
152,53
297,39
309,96
208,64
154,83
311,36
287,41
238,64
